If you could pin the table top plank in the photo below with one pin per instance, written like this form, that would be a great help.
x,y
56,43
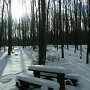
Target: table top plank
x,y
49,69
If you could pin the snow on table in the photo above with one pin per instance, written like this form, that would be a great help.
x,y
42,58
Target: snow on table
x,y
52,69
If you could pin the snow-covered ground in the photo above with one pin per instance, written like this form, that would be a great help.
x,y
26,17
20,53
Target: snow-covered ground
x,y
21,58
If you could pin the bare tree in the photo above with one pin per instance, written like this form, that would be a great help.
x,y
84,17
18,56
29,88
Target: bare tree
x,y
2,25
76,24
60,27
80,8
9,29
88,43
42,44
67,24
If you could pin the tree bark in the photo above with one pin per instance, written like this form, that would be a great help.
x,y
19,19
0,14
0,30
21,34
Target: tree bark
x,y
60,26
2,27
9,29
88,43
42,44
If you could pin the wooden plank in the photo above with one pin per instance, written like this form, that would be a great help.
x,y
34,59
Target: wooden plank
x,y
30,80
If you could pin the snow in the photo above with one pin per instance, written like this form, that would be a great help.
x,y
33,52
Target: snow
x,y
39,81
72,76
22,58
51,69
44,88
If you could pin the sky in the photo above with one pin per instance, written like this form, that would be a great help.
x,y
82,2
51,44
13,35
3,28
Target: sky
x,y
20,8
17,10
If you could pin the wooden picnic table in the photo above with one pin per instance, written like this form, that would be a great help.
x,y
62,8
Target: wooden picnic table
x,y
59,72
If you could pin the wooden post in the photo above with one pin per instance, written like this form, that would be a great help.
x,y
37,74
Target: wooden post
x,y
36,74
60,79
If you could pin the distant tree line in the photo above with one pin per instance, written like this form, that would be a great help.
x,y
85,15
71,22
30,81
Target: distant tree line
x,y
28,42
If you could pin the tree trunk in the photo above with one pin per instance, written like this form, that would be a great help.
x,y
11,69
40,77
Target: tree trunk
x,y
42,44
60,26
76,31
88,43
2,26
9,29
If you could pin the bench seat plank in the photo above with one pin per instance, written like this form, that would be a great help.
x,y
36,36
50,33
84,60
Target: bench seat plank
x,y
38,81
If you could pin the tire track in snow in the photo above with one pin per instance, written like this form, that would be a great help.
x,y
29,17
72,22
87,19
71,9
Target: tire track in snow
x,y
79,68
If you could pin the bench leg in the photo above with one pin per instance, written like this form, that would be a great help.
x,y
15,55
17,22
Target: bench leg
x,y
50,89
60,79
36,74
24,85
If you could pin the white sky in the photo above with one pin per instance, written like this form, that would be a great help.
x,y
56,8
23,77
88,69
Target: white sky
x,y
17,11
19,8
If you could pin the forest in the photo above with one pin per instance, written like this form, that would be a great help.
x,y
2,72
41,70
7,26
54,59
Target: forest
x,y
46,22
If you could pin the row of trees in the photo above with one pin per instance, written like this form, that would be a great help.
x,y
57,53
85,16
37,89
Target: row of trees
x,y
6,24
56,22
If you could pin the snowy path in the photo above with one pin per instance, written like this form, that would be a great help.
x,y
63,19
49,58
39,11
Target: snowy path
x,y
17,62
12,65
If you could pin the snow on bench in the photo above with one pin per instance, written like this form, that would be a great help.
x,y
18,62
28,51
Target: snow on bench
x,y
36,81
72,76
72,79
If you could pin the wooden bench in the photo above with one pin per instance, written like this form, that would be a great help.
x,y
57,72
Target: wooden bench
x,y
73,78
23,82
58,72
70,79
